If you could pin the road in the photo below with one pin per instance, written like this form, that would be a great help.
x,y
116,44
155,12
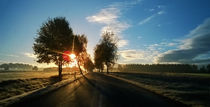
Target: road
x,y
99,90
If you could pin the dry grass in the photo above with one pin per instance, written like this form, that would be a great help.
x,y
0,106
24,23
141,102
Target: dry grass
x,y
189,88
17,83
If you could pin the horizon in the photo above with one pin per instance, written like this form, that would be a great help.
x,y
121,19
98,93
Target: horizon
x,y
150,32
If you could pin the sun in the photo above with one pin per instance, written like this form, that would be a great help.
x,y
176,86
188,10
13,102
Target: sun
x,y
74,62
72,56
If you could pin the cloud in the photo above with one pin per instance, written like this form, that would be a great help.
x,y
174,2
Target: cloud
x,y
109,17
151,17
9,55
122,43
105,16
195,45
151,10
30,55
137,56
147,19
132,54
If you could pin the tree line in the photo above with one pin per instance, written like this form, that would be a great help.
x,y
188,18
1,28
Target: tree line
x,y
18,66
163,68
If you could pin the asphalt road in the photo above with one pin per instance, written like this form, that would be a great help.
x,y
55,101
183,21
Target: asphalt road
x,y
99,90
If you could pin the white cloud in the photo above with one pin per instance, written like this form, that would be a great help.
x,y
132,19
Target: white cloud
x,y
151,10
147,19
138,56
105,16
110,18
12,55
30,55
132,54
160,12
151,17
115,27
9,55
122,43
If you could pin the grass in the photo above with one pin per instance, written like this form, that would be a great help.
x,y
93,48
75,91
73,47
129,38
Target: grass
x,y
14,83
189,88
13,75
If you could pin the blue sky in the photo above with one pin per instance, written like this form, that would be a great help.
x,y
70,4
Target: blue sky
x,y
150,31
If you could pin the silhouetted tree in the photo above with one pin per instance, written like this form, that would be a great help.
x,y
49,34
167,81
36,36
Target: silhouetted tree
x,y
107,50
203,69
98,57
88,64
5,66
19,66
80,49
208,67
54,37
35,68
158,68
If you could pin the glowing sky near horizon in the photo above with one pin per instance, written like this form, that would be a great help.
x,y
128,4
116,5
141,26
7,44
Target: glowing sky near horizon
x,y
160,31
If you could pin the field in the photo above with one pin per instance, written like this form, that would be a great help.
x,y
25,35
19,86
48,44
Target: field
x,y
189,88
14,83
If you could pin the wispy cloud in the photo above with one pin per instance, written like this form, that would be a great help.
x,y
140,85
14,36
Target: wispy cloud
x,y
137,56
30,55
151,17
159,11
147,19
110,15
132,54
191,49
105,16
148,55
9,55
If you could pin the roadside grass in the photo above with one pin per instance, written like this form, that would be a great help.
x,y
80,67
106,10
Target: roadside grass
x,y
17,83
189,88
13,75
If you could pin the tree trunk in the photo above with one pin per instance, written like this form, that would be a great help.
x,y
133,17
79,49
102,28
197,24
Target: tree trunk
x,y
107,68
79,68
60,70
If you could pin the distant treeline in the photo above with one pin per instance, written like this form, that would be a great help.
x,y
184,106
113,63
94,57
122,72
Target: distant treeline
x,y
162,68
18,66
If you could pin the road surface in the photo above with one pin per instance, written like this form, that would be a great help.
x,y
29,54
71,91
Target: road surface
x,y
99,90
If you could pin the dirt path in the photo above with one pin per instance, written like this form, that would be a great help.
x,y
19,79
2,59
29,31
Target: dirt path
x,y
99,90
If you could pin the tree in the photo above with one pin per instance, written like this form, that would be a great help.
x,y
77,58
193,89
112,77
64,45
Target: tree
x,y
35,68
54,37
106,50
208,67
98,57
88,64
80,49
5,66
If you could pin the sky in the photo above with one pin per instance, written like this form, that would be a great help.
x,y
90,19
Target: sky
x,y
149,31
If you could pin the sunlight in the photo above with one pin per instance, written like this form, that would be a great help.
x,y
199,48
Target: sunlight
x,y
74,61
73,64
72,56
